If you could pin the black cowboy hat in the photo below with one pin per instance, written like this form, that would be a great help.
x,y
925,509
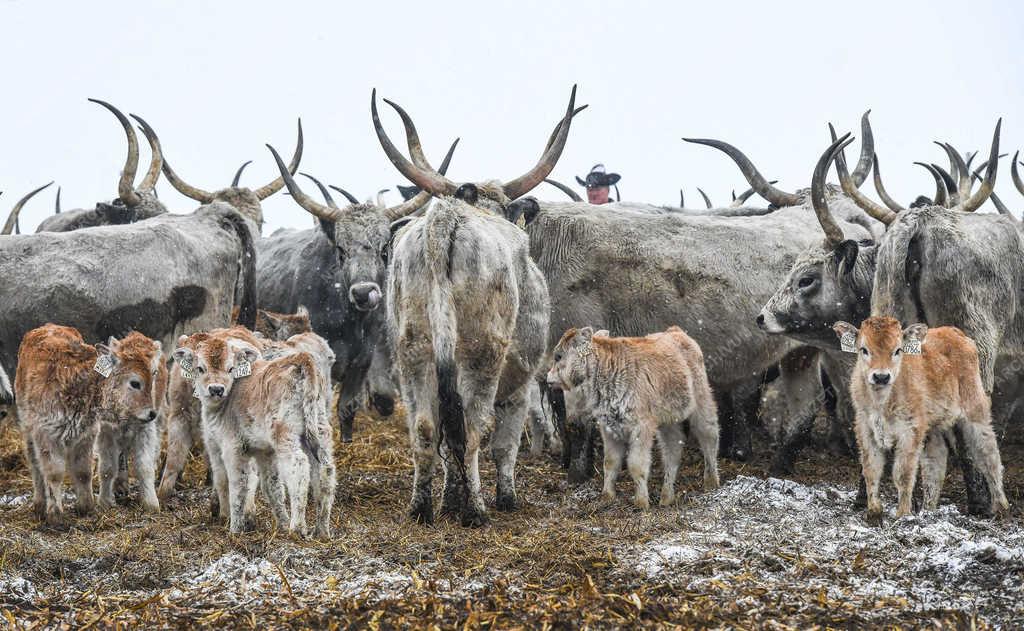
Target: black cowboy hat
x,y
599,177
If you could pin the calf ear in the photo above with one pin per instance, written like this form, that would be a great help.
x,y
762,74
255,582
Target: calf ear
x,y
846,255
602,333
586,333
847,334
915,332
245,352
182,353
527,207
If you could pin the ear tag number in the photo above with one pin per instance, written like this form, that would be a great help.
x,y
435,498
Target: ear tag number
x,y
188,371
242,369
912,347
104,365
848,342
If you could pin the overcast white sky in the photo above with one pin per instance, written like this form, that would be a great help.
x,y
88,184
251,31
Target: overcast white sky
x,y
219,79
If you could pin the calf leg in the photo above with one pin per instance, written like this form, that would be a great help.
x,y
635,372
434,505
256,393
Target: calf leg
x,y
670,440
872,461
109,457
240,482
704,429
144,455
52,465
638,461
219,476
81,465
179,442
981,445
510,416
271,471
38,482
295,465
933,468
614,452
904,471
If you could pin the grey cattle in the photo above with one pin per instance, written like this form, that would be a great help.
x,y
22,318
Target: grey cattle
x,y
337,271
163,277
7,408
943,266
132,204
468,315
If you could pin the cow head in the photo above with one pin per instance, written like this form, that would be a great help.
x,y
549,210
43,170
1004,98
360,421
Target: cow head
x,y
245,200
359,234
880,345
216,363
281,326
133,203
491,196
572,360
137,379
827,282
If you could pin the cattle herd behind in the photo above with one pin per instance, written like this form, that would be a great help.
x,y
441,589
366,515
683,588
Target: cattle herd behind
x,y
884,335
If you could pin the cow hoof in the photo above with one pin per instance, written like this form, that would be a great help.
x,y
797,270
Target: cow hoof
x,y
873,518
578,476
214,507
248,524
474,518
384,405
422,513
505,502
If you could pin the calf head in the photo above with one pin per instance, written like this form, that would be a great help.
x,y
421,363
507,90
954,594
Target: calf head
x,y
573,358
880,344
216,363
281,326
136,377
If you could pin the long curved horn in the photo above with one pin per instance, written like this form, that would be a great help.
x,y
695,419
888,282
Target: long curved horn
x,y
707,202
753,176
745,195
884,215
988,184
962,170
940,187
156,161
428,181
323,190
318,210
238,174
126,185
554,132
970,158
264,192
380,196
880,189
867,151
12,219
528,181
833,233
56,204
349,196
568,191
1015,174
952,192
996,201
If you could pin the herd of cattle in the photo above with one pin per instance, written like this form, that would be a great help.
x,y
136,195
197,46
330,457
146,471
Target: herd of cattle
x,y
480,306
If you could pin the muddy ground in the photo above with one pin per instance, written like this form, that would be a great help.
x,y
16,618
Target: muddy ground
x,y
759,552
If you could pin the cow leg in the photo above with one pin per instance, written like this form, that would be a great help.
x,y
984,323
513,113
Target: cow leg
x,y
81,469
272,468
423,437
704,429
579,436
38,482
109,458
323,478
933,468
296,466
980,443
144,456
52,466
346,418
872,459
735,431
979,500
179,442
240,482
557,399
219,502
904,471
510,416
670,441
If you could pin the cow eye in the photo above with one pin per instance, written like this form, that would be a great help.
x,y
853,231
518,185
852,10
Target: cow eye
x,y
200,370
806,281
864,351
897,352
558,357
135,384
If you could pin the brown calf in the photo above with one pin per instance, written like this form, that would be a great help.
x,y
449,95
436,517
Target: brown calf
x,y
636,387
64,389
909,388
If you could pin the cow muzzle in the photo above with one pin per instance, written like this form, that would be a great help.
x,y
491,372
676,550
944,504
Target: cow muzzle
x,y
767,322
216,391
364,296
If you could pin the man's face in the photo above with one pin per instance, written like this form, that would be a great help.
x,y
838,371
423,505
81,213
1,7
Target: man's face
x,y
597,195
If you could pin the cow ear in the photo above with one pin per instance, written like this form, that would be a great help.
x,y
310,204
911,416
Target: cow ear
x,y
113,343
846,255
602,333
527,207
842,328
181,353
468,193
586,333
104,349
327,227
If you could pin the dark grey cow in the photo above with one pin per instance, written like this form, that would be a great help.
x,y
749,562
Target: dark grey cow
x,y
132,203
164,277
943,266
620,268
336,271
468,312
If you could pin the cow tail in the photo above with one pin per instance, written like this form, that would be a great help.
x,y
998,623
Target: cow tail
x,y
441,226
245,286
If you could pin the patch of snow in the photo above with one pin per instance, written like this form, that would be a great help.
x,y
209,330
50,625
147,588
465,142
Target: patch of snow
x,y
14,501
17,588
